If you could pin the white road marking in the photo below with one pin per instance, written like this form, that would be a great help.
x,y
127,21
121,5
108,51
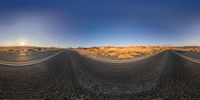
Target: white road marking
x,y
28,62
188,58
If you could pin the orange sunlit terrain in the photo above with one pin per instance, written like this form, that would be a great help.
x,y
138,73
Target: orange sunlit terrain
x,y
128,52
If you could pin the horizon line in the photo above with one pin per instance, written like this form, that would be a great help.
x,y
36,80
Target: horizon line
x,y
101,46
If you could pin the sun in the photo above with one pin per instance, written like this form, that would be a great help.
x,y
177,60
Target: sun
x,y
22,43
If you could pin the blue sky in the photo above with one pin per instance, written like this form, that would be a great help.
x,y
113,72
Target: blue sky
x,y
99,22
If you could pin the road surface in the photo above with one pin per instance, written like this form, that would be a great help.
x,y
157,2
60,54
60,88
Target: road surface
x,y
68,75
14,57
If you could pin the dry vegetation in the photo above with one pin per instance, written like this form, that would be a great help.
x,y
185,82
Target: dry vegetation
x,y
130,52
120,52
26,49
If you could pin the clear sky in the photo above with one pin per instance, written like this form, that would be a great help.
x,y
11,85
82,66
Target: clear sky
x,y
99,22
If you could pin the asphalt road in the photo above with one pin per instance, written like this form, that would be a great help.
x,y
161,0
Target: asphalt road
x,y
13,57
195,55
68,75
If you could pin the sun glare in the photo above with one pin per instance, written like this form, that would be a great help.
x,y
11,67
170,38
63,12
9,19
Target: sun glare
x,y
22,43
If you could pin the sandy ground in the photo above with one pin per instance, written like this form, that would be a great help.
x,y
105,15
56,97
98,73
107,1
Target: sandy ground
x,y
113,60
